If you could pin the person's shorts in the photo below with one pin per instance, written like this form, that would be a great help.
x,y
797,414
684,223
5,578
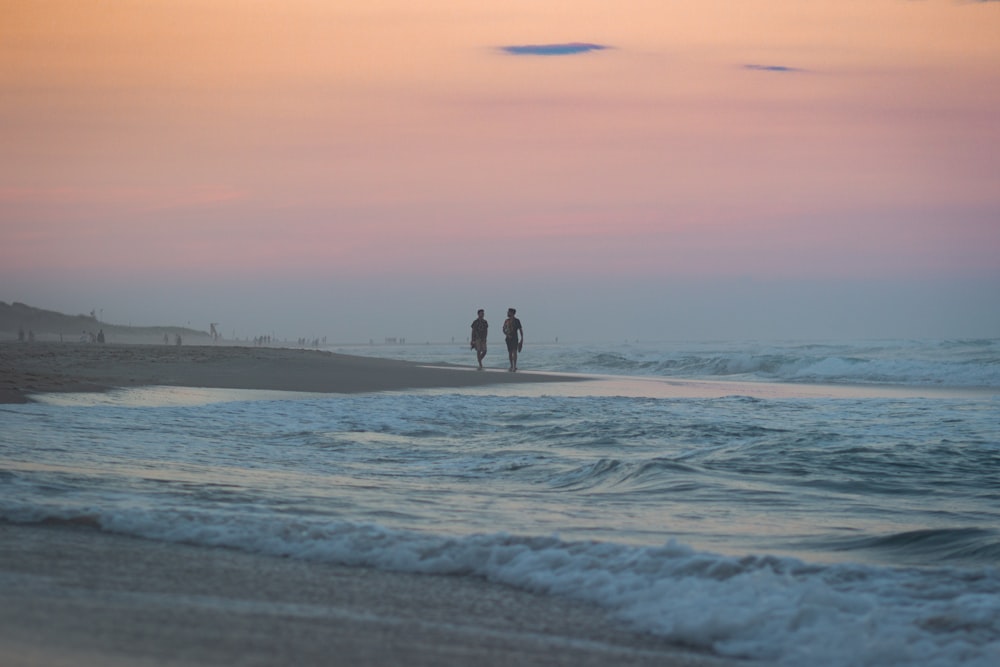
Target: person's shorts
x,y
480,345
512,344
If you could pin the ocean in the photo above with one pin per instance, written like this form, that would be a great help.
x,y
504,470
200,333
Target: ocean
x,y
830,504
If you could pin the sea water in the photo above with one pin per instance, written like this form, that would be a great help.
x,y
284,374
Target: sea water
x,y
828,504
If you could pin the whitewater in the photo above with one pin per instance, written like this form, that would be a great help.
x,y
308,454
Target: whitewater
x,y
823,503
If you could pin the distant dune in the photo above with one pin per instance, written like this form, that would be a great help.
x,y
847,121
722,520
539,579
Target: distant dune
x,y
48,325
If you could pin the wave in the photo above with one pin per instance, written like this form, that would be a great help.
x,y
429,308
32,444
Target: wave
x,y
929,545
643,477
778,610
936,363
945,363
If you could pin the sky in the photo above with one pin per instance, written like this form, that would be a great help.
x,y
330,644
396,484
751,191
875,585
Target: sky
x,y
644,169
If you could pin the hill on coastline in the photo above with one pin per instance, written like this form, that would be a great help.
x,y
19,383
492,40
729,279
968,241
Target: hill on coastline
x,y
50,325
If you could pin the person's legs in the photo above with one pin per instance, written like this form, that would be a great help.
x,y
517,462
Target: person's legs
x,y
512,354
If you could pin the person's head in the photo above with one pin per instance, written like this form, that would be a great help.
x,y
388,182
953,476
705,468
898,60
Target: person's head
x,y
480,312
511,312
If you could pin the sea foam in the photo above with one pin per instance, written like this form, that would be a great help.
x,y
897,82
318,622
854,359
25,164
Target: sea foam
x,y
769,608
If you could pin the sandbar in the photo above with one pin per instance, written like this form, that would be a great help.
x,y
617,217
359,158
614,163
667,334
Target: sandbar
x,y
43,367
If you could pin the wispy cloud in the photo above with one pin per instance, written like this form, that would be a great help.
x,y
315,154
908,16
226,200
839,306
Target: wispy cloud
x,y
570,49
772,68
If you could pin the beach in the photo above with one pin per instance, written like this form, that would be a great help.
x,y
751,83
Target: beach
x,y
686,504
71,595
75,595
28,368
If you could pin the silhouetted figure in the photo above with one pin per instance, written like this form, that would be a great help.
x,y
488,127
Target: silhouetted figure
x,y
511,327
480,329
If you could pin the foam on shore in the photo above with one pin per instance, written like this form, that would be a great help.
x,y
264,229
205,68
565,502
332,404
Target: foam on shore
x,y
76,596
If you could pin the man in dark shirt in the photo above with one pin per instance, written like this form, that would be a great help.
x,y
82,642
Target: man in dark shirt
x,y
479,330
511,328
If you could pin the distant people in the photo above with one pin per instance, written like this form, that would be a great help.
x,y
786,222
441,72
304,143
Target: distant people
x,y
177,340
166,339
20,334
511,328
480,328
31,335
100,335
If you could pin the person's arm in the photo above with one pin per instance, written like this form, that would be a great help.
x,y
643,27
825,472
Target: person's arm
x,y
521,329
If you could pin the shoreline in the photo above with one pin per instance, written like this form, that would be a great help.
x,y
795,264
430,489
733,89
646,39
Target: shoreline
x,y
38,368
74,595
50,367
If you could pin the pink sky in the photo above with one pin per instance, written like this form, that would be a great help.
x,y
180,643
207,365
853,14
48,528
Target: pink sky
x,y
165,142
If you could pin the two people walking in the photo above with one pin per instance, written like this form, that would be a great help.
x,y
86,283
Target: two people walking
x,y
513,336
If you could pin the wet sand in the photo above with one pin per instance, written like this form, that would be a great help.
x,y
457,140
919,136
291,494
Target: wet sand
x,y
72,595
40,367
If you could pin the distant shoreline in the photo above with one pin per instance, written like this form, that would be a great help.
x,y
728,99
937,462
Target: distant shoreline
x,y
43,367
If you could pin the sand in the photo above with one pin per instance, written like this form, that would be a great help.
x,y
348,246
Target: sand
x,y
72,595
29,368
